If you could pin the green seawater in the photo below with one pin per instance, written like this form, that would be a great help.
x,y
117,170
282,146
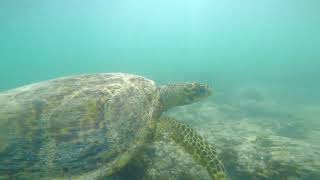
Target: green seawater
x,y
261,57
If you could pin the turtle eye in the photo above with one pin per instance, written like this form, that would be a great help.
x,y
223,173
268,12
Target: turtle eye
x,y
190,86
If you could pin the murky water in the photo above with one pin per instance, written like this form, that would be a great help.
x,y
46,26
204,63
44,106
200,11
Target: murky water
x,y
261,57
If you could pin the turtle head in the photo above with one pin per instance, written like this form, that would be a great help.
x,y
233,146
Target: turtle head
x,y
193,92
181,94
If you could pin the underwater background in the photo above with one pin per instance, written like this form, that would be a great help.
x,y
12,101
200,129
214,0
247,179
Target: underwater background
x,y
261,57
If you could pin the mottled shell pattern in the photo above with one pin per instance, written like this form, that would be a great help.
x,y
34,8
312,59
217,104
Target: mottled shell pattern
x,y
76,124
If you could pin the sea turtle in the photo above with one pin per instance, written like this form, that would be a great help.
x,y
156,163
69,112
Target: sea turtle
x,y
90,126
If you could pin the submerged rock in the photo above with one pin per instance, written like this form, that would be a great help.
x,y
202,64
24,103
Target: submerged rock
x,y
249,150
251,147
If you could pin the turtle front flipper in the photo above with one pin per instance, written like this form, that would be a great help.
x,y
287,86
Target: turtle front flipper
x,y
194,144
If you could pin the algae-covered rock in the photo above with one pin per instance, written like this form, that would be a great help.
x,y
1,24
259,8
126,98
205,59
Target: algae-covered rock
x,y
252,147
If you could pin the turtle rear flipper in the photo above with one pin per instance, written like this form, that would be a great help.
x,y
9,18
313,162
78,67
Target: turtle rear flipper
x,y
195,145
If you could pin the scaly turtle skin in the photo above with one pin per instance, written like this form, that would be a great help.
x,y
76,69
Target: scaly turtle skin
x,y
90,126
